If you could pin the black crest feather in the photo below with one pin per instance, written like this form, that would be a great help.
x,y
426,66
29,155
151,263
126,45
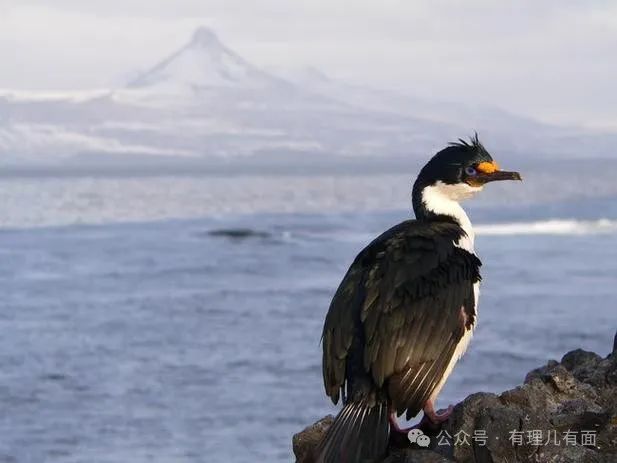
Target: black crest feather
x,y
473,144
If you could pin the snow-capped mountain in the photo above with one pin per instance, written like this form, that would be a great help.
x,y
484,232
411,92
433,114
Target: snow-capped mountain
x,y
205,102
203,63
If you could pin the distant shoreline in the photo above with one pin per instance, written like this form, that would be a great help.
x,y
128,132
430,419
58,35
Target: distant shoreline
x,y
240,166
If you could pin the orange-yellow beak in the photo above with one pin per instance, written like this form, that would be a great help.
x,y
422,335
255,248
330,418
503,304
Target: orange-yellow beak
x,y
490,172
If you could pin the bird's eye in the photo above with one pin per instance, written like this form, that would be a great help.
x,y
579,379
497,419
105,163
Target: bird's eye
x,y
470,170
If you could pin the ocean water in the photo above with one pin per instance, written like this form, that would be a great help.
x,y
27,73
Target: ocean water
x,y
178,319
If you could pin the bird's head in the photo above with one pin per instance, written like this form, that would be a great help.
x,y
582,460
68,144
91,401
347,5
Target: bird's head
x,y
454,174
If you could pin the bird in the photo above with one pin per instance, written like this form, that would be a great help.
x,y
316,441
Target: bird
x,y
406,310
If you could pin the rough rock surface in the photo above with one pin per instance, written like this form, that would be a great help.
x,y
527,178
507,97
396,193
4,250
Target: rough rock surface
x,y
565,412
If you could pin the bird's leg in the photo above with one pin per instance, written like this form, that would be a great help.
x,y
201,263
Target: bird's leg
x,y
436,417
395,426
424,424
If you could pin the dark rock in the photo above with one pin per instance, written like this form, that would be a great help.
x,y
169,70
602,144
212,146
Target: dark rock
x,y
417,456
611,375
579,357
540,371
565,412
585,366
305,442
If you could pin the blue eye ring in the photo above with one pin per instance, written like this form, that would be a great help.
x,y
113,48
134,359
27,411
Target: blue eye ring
x,y
471,171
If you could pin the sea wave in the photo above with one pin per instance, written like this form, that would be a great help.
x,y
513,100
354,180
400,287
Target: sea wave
x,y
549,227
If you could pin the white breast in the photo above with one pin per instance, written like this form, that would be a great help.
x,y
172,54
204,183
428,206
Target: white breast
x,y
444,199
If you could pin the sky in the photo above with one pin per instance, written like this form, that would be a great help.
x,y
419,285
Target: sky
x,y
553,60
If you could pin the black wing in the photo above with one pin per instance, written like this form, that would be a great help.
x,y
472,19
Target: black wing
x,y
338,334
411,290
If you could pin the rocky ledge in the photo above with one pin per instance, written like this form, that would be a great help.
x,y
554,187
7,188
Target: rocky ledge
x,y
565,412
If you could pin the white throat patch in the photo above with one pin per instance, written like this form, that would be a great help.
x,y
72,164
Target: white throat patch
x,y
443,199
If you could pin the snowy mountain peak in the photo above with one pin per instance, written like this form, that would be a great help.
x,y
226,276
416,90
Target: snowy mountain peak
x,y
204,63
204,37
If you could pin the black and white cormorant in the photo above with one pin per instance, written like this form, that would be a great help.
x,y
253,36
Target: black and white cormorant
x,y
406,309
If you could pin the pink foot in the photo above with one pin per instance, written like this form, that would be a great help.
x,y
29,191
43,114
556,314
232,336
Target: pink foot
x,y
434,417
394,426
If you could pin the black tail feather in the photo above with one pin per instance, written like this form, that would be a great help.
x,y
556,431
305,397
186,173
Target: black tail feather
x,y
359,434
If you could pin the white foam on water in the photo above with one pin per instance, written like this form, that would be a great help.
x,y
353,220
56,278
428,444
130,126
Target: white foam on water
x,y
549,227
